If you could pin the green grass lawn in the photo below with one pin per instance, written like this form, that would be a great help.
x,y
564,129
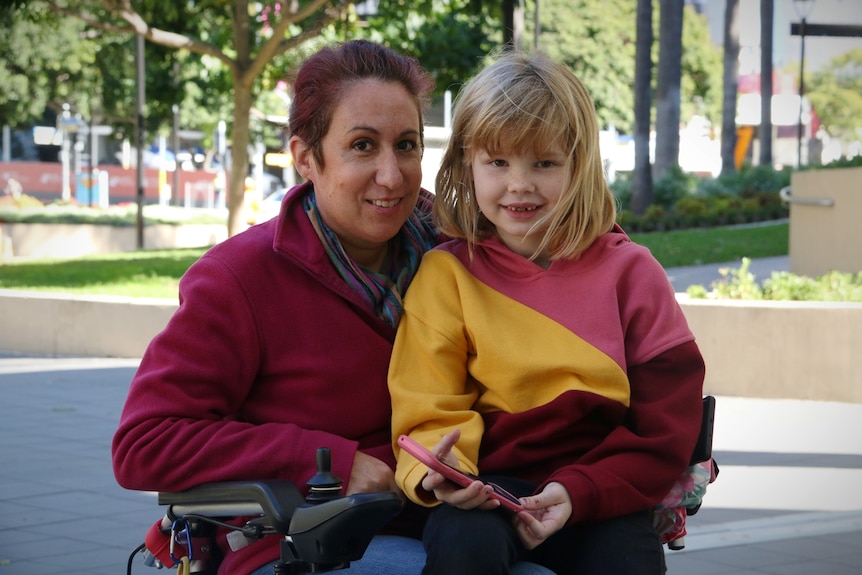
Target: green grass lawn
x,y
156,273
717,245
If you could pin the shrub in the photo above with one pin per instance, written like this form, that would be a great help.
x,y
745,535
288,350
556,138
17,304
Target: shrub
x,y
115,215
751,194
740,284
19,202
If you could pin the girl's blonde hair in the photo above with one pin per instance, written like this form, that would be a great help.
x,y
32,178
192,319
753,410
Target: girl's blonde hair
x,y
526,101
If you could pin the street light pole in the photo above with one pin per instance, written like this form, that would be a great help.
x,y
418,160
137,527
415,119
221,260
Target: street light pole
x,y
801,92
803,9
139,51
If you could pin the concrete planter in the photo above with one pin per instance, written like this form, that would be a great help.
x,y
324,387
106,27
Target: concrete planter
x,y
794,350
66,325
773,349
825,234
75,240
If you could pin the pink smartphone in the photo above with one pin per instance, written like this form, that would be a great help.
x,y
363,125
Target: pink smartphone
x,y
455,475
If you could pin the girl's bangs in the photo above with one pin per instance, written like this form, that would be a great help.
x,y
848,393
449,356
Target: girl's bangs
x,y
513,129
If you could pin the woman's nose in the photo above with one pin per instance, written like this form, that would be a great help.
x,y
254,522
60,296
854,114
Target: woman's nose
x,y
389,174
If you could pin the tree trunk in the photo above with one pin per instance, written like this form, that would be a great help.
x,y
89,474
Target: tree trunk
x,y
513,23
239,157
242,101
767,17
668,87
642,177
731,86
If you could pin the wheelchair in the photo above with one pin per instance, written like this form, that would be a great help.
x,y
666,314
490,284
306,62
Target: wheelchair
x,y
325,531
322,532
686,496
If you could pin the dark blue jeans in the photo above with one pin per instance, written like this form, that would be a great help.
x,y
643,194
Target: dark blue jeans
x,y
476,542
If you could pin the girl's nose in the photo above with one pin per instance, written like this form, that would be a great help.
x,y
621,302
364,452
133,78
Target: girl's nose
x,y
519,181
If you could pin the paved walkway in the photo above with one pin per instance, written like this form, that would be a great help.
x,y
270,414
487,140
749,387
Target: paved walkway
x,y
705,275
787,500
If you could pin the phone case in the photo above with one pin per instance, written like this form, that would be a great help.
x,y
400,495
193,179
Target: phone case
x,y
457,476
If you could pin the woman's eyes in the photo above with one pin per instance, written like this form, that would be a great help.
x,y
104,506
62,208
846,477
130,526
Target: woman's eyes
x,y
403,145
408,145
362,145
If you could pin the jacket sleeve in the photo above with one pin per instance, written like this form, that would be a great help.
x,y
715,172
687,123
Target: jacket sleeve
x,y
428,382
180,425
635,466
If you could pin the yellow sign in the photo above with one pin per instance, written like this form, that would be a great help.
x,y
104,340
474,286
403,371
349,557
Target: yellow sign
x,y
279,160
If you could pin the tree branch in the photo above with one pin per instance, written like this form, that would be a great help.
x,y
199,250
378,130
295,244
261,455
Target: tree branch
x,y
278,44
123,10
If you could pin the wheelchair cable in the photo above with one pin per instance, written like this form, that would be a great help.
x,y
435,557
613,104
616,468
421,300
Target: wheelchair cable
x,y
137,550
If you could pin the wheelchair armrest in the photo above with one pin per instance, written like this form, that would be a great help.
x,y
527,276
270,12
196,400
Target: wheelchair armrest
x,y
703,448
333,532
276,500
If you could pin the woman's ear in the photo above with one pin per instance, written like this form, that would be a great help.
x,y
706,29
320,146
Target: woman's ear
x,y
303,158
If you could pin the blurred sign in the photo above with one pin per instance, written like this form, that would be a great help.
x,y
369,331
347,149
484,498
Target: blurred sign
x,y
279,160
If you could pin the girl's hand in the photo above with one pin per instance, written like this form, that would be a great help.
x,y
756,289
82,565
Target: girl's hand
x,y
475,495
545,513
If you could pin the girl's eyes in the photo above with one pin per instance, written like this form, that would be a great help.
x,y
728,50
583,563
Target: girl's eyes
x,y
540,164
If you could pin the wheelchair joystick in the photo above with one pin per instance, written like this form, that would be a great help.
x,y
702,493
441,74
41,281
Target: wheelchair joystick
x,y
323,485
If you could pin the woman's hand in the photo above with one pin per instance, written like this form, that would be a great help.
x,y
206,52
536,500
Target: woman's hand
x,y
544,514
475,495
370,475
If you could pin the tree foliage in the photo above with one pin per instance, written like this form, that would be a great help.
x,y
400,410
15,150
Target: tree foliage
x,y
597,40
243,38
449,37
223,59
701,69
43,65
835,92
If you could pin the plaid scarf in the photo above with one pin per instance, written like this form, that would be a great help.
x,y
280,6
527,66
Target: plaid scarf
x,y
381,290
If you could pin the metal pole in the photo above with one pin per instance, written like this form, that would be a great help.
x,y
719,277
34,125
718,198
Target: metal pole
x,y
140,140
175,186
801,93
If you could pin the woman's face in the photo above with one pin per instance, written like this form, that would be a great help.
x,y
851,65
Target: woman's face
x,y
373,167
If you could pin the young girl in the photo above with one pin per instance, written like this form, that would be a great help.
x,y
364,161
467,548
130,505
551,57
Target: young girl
x,y
541,349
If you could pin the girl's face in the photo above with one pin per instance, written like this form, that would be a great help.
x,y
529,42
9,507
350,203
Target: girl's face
x,y
373,167
516,189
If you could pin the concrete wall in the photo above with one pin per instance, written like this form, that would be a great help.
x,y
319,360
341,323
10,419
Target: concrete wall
x,y
64,325
797,350
75,240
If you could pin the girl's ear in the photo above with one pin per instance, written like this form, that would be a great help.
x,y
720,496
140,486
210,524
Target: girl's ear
x,y
303,158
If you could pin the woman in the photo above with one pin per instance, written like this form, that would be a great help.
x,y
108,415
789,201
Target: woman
x,y
283,335
282,339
